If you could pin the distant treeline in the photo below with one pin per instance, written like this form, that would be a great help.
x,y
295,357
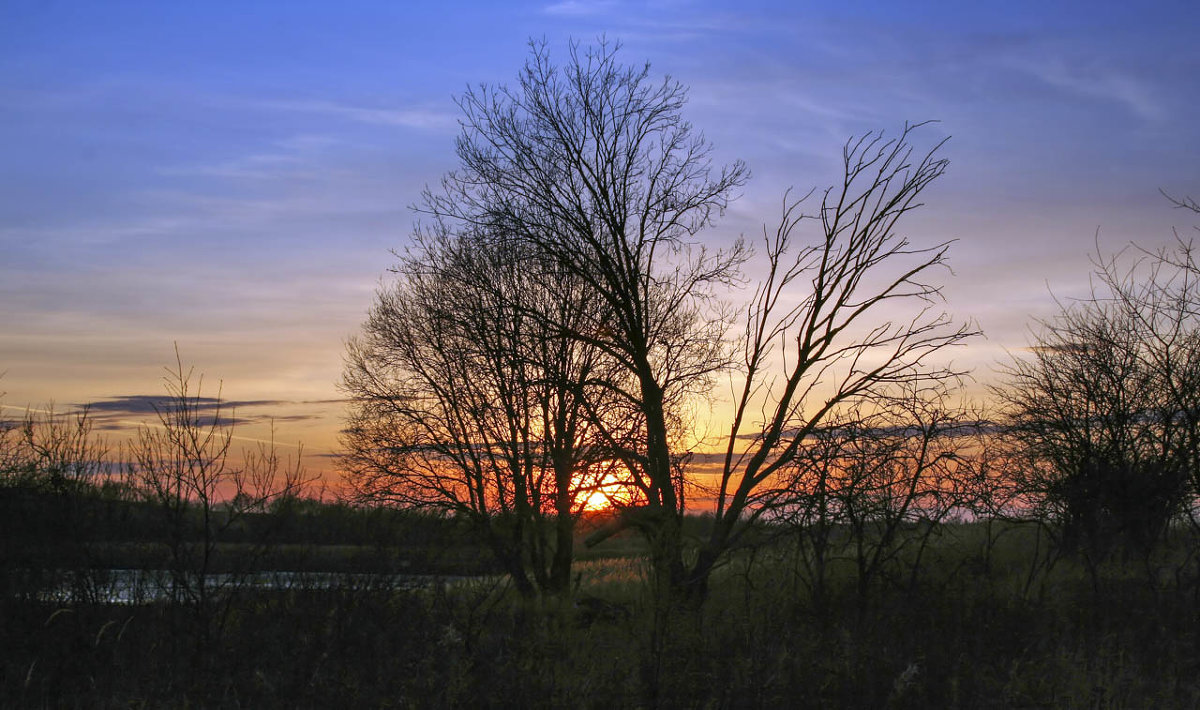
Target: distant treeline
x,y
102,527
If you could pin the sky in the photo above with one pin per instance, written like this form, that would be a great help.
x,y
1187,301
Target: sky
x,y
229,178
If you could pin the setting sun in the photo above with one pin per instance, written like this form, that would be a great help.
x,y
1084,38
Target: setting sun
x,y
596,501
604,496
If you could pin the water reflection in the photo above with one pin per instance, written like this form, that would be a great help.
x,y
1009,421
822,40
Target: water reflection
x,y
144,586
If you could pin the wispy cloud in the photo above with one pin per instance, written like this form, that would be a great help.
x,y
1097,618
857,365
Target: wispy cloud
x,y
109,93
115,420
116,413
578,8
267,166
654,23
417,118
153,403
302,156
1096,81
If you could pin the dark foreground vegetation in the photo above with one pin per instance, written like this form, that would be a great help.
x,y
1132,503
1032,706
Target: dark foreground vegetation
x,y
990,617
259,595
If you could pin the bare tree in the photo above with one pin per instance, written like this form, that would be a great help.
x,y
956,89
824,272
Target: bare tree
x,y
54,452
873,484
469,404
591,167
56,469
1104,409
862,333
185,465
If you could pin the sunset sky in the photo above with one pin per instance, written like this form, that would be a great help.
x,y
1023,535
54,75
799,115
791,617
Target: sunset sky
x,y
231,176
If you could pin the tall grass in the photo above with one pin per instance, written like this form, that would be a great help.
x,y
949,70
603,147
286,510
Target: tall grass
x,y
970,632
988,614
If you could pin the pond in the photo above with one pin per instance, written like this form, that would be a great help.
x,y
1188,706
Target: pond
x,y
143,586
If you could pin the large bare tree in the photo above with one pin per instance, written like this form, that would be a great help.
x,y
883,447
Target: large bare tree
x,y
591,167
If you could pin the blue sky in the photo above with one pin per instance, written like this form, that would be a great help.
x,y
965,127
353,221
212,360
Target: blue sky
x,y
231,176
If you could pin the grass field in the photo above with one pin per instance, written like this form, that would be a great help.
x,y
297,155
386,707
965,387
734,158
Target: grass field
x,y
977,627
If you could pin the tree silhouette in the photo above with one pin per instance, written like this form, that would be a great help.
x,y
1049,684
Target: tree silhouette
x,y
469,404
1104,410
592,168
854,310
591,171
